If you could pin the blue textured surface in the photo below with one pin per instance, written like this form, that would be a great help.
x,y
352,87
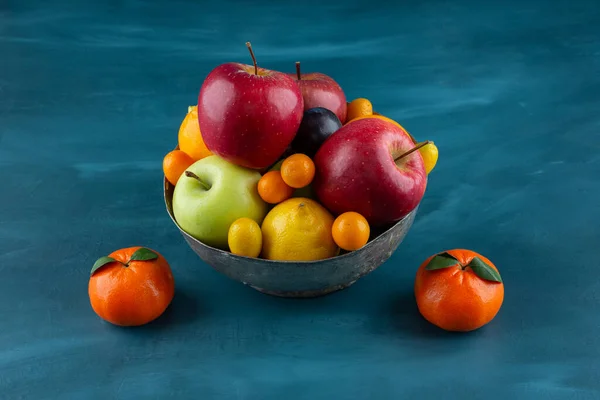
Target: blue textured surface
x,y
91,97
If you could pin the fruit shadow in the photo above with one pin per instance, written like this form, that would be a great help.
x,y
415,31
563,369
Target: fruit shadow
x,y
185,309
400,315
393,316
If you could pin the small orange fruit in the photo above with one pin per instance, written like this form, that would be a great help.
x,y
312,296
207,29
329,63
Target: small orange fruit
x,y
350,231
190,138
272,189
298,170
245,238
429,152
131,286
359,108
174,164
458,290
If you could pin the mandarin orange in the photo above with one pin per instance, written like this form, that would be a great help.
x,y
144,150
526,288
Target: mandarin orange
x,y
458,290
131,287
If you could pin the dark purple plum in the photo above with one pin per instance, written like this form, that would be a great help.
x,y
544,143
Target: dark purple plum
x,y
317,125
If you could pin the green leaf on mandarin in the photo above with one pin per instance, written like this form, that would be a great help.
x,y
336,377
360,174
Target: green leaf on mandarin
x,y
143,254
102,261
484,271
442,260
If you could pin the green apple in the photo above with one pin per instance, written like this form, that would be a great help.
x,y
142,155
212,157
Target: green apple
x,y
211,194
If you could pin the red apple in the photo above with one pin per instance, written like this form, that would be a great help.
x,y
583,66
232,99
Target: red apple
x,y
249,115
320,90
364,167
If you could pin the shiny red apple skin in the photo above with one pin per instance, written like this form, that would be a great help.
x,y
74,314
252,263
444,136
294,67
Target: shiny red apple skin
x,y
355,171
249,119
320,90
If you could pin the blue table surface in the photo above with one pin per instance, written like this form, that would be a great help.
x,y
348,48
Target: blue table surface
x,y
91,98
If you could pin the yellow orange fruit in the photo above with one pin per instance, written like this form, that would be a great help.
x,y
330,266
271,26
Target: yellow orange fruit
x,y
350,231
245,238
429,152
189,137
359,108
272,189
298,170
306,191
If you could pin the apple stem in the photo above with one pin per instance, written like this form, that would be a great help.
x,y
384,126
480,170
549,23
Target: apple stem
x,y
190,174
249,46
417,147
298,70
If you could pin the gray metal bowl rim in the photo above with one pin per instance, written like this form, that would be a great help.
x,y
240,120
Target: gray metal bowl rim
x,y
380,237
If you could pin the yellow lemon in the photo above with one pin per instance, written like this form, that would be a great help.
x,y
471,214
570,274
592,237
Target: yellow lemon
x,y
359,108
429,152
245,238
298,229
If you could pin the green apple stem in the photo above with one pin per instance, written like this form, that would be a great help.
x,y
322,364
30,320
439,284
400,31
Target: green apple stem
x,y
249,46
417,147
298,70
190,174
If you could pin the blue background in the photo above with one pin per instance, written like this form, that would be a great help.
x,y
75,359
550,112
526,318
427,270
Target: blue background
x,y
92,95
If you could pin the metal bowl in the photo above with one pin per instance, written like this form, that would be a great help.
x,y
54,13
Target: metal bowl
x,y
300,278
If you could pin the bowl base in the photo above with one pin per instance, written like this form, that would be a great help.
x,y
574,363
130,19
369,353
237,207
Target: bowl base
x,y
303,294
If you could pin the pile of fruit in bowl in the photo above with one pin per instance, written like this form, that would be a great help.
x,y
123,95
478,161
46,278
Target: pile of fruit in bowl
x,y
276,169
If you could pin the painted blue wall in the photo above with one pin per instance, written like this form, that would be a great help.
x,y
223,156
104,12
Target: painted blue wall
x,y
91,97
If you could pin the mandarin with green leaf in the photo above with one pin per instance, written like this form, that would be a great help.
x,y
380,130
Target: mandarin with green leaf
x,y
131,287
458,290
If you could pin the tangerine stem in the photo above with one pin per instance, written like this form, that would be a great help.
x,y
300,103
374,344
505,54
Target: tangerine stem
x,y
298,70
190,174
249,46
417,147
